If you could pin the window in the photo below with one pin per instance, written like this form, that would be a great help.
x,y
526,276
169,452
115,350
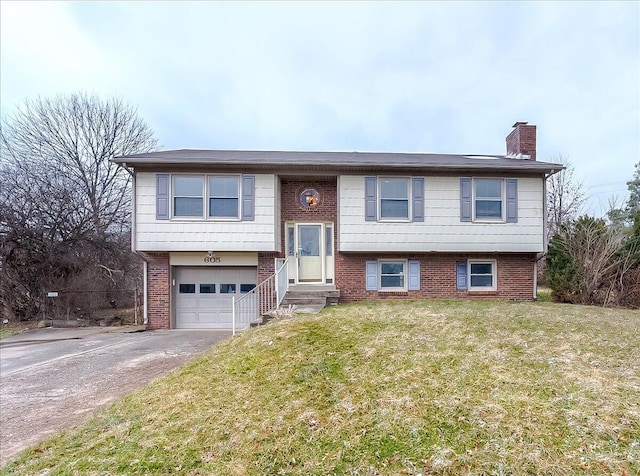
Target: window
x,y
227,288
291,248
223,197
206,196
187,196
245,288
207,289
394,198
328,240
392,275
488,199
187,288
482,275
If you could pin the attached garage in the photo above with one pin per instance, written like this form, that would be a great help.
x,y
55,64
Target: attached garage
x,y
203,295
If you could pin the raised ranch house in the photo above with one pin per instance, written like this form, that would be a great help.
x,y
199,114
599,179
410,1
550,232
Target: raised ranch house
x,y
336,226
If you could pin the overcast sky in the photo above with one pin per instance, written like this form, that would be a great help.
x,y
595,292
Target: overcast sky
x,y
394,77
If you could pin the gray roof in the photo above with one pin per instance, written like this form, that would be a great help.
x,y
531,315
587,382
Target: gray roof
x,y
290,161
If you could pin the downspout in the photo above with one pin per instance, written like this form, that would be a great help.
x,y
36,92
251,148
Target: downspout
x,y
535,280
144,290
133,241
133,215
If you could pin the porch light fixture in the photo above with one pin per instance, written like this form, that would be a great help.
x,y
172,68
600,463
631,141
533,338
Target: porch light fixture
x,y
310,197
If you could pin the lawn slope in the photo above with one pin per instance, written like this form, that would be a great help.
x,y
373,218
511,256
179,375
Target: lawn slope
x,y
428,387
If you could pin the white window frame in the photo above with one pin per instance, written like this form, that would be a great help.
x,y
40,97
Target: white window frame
x,y
494,274
409,199
503,200
404,275
174,196
237,197
206,196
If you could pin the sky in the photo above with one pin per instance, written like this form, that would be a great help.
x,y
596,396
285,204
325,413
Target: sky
x,y
441,77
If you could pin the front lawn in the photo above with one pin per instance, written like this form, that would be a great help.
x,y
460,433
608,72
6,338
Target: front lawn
x,y
383,388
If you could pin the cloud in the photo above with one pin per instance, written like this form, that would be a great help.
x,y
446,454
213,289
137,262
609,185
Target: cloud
x,y
388,76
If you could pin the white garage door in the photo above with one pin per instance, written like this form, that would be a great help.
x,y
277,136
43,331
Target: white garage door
x,y
203,295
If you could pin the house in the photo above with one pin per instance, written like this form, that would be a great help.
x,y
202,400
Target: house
x,y
212,224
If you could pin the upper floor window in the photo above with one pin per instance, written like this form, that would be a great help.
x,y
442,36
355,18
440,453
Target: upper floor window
x,y
223,196
394,198
488,198
492,200
187,196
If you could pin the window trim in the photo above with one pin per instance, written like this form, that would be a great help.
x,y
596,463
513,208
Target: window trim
x,y
409,199
503,200
494,275
404,274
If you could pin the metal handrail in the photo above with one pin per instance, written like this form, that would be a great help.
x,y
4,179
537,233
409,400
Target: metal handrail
x,y
265,297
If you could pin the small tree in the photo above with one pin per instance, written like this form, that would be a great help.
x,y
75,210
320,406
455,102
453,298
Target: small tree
x,y
565,196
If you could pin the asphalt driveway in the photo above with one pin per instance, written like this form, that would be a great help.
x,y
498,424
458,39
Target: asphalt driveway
x,y
51,379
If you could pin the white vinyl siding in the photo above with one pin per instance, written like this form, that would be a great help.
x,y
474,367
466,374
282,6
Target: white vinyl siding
x,y
442,230
204,234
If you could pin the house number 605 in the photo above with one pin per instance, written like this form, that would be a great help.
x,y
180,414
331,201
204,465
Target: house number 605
x,y
211,259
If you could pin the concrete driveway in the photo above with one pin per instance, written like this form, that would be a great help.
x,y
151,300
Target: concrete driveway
x,y
51,379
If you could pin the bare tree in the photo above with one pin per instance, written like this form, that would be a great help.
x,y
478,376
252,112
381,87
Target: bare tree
x,y
73,138
633,205
565,196
64,206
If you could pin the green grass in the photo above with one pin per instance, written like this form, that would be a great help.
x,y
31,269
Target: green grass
x,y
425,387
13,328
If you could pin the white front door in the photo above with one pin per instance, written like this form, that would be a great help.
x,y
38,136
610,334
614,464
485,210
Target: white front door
x,y
310,253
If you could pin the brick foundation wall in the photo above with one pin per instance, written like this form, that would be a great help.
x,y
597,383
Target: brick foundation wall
x,y
438,277
158,290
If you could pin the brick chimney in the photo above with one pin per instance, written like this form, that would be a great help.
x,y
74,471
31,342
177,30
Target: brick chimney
x,y
521,142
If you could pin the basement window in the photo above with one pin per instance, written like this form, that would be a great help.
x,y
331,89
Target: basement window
x,y
482,275
392,275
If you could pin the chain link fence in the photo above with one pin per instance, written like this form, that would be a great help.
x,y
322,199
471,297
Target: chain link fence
x,y
77,308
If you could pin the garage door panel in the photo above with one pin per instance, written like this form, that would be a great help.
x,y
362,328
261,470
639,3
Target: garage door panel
x,y
204,295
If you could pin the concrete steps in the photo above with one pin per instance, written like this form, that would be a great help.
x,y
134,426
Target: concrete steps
x,y
308,299
311,296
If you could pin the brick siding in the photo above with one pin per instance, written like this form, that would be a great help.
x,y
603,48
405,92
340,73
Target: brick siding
x,y
292,210
158,290
438,276
522,140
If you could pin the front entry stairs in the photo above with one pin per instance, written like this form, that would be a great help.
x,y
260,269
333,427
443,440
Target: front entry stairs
x,y
307,299
310,298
